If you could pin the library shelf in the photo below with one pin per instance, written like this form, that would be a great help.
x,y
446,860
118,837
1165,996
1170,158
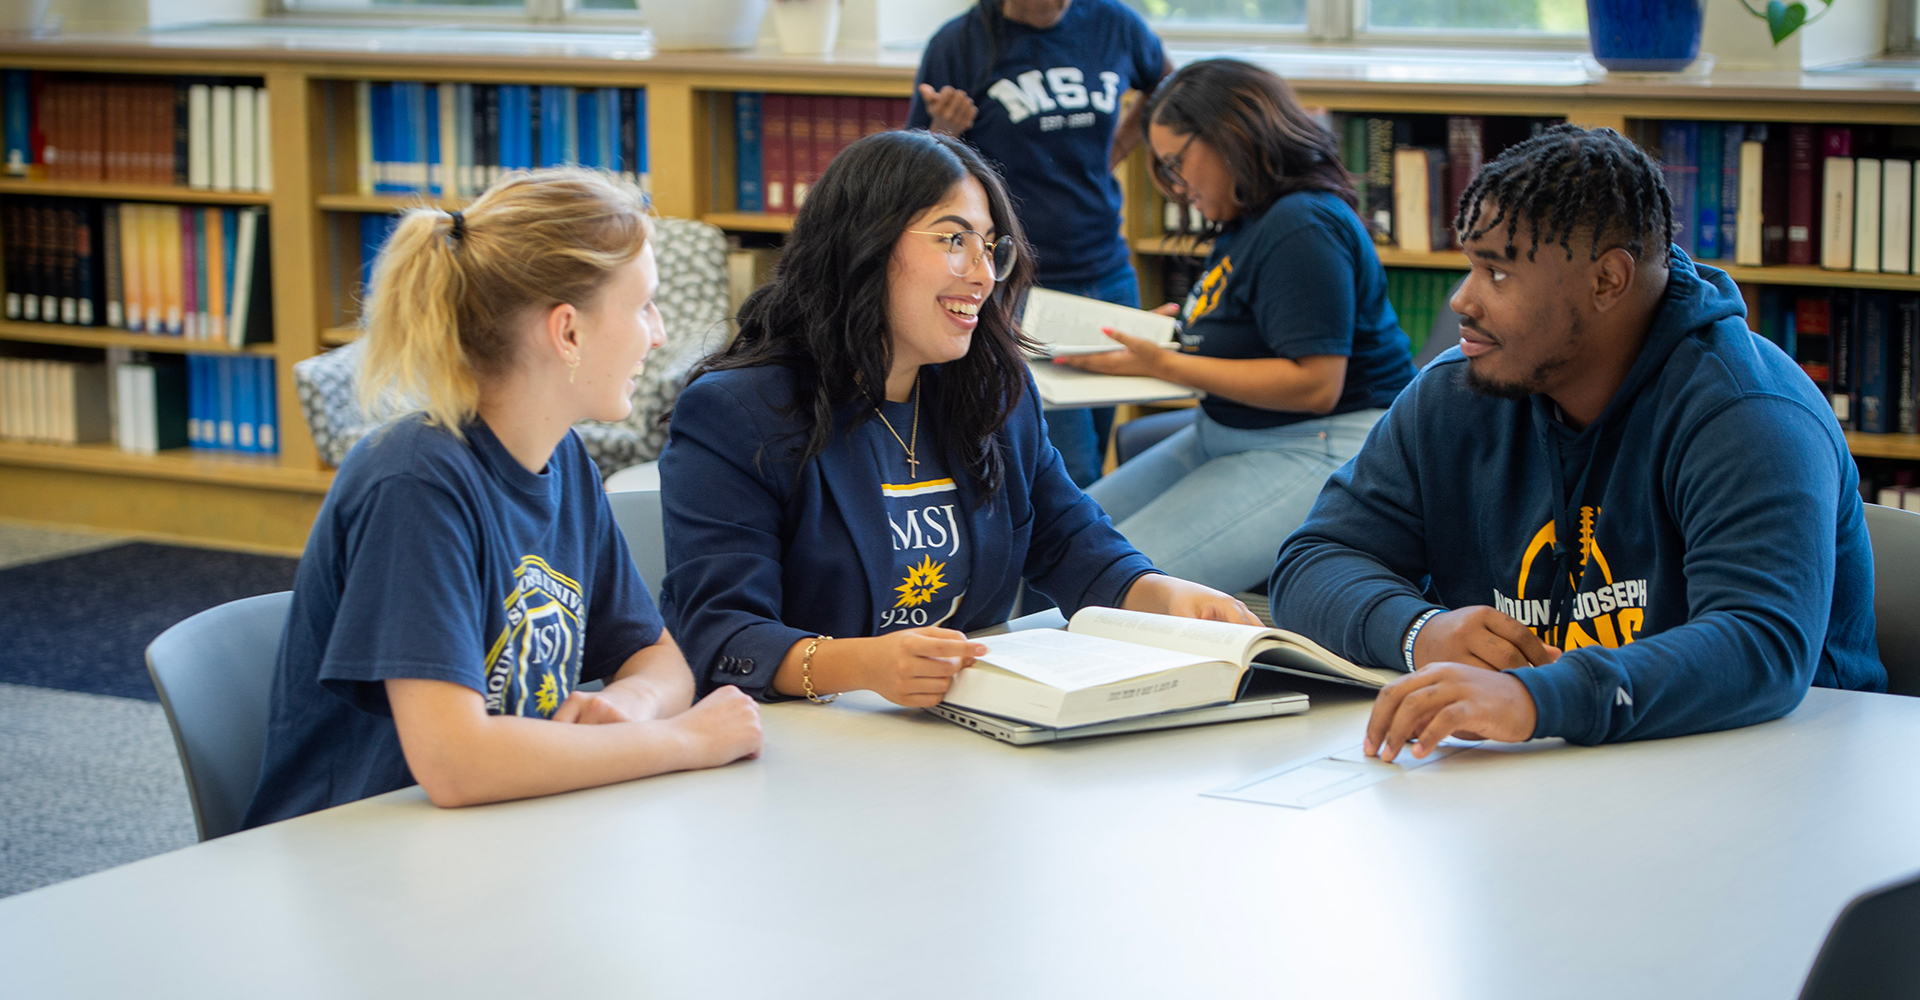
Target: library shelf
x,y
381,203
256,471
85,336
1180,246
1905,446
131,192
750,222
1789,274
340,336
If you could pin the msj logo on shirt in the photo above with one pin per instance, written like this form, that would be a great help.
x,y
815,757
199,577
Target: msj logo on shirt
x,y
535,662
1062,88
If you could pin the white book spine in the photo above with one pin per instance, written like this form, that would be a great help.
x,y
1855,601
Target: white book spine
x,y
220,142
1896,216
143,403
1836,215
199,136
263,140
1866,214
363,135
243,138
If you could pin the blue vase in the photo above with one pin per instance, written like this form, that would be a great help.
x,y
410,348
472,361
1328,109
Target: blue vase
x,y
1645,36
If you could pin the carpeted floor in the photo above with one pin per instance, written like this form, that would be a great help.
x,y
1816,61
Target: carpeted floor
x,y
82,622
88,774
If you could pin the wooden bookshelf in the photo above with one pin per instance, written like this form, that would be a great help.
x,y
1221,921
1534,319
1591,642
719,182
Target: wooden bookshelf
x,y
84,336
264,503
132,192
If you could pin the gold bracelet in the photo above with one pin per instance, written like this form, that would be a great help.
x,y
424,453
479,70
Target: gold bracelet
x,y
806,671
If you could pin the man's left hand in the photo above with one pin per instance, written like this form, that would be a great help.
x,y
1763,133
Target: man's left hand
x,y
1449,699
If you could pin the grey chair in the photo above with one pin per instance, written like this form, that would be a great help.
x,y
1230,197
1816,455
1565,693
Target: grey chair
x,y
214,673
637,512
1896,594
1869,953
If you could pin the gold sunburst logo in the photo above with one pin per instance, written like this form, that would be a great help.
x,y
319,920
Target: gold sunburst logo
x,y
922,580
547,697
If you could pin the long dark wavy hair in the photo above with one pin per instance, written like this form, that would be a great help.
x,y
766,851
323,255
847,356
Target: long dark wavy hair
x,y
1249,116
824,314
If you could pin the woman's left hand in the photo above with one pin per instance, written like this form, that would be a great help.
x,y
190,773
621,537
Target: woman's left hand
x,y
1136,357
1165,595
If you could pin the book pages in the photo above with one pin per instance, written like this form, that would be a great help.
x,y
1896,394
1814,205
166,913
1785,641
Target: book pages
x,y
1072,662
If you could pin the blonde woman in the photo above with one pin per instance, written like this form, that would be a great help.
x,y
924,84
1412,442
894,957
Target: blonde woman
x,y
465,574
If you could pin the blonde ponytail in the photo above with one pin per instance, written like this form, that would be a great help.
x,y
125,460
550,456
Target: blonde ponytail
x,y
449,292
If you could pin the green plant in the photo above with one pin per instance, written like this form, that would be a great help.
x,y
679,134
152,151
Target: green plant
x,y
1783,19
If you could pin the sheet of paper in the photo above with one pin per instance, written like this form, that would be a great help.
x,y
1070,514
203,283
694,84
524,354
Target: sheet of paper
x,y
1072,662
1310,781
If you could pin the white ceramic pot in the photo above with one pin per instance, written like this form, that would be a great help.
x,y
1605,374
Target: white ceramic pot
x,y
807,27
704,24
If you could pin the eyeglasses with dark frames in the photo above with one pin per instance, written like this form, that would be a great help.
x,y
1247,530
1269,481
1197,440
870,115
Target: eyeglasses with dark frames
x,y
966,248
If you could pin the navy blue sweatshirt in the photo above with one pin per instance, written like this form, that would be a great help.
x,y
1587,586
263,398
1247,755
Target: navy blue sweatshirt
x,y
1719,545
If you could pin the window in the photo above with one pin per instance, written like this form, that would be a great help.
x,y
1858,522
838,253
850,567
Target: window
x,y
1531,20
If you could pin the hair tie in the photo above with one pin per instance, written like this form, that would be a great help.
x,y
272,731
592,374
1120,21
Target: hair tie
x,y
459,227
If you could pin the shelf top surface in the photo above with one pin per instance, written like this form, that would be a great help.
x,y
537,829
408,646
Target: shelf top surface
x,y
1428,69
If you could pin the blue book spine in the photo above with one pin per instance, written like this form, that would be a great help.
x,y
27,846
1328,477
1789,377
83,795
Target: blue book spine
x,y
1679,161
746,143
1707,237
19,124
418,117
267,429
553,126
244,417
609,130
570,151
1732,135
640,137
532,109
629,148
436,173
586,116
1876,315
229,236
223,405
193,401
378,112
515,126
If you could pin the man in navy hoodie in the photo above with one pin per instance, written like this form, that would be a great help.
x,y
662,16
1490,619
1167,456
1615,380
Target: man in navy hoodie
x,y
1611,512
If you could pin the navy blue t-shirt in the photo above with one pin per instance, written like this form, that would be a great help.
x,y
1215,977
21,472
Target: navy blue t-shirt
x,y
1047,107
442,559
1296,280
931,553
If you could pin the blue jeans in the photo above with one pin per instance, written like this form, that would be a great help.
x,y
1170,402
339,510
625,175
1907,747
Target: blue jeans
x,y
1081,435
1212,503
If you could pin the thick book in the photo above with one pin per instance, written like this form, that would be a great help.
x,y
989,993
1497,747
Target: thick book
x,y
1896,216
1812,335
1679,164
1733,138
262,140
1836,212
747,195
251,318
1866,213
220,139
1903,329
245,145
1380,194
776,169
800,148
1466,146
1706,240
267,430
1113,664
17,117
1803,194
200,136
1775,179
1074,324
1747,225
1843,319
1063,387
1412,201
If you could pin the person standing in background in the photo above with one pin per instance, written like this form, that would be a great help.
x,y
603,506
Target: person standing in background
x,y
1035,86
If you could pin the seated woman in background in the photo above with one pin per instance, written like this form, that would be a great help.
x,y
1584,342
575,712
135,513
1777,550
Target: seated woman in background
x,y
868,461
1298,350
465,574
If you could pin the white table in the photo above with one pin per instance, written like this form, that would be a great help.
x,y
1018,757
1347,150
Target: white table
x,y
876,852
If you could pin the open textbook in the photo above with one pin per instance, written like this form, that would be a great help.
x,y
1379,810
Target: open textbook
x,y
1063,386
1074,324
1113,664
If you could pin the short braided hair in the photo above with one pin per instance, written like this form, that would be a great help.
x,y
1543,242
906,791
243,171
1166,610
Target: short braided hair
x,y
1569,179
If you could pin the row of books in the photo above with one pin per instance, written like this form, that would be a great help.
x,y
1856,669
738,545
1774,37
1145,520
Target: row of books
x,y
454,139
149,403
1858,346
1842,197
169,270
190,131
1418,295
53,401
1410,171
783,142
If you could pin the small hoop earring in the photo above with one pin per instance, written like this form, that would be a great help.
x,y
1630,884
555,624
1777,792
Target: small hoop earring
x,y
573,368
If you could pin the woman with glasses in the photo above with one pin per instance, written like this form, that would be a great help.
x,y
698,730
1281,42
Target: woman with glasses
x,y
1297,349
862,476
1036,87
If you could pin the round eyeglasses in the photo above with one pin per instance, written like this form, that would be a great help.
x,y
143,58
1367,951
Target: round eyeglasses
x,y
966,247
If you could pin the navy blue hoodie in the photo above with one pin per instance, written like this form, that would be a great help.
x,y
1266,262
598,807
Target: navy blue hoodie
x,y
1717,537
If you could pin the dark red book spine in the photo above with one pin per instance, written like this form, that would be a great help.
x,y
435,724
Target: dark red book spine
x,y
826,135
1466,144
874,115
776,156
847,122
800,148
1802,195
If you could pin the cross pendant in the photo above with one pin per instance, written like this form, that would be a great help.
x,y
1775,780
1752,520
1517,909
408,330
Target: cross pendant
x,y
913,465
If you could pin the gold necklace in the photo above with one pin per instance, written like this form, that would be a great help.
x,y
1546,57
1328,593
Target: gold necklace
x,y
913,464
